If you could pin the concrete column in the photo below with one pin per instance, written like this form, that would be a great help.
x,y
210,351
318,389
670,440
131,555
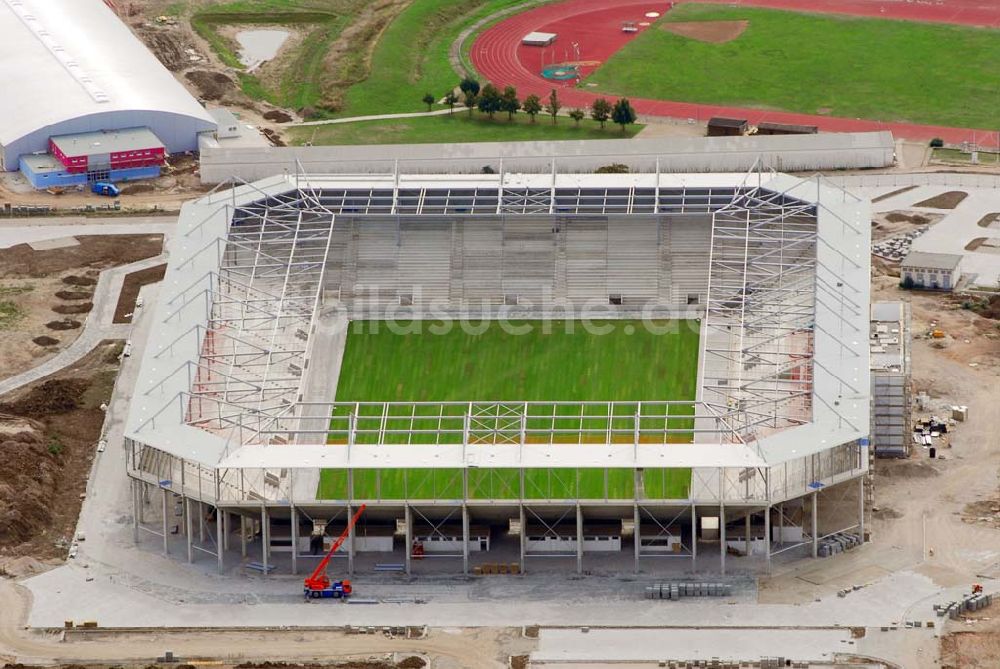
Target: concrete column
x,y
201,522
722,537
220,534
408,520
265,537
524,532
141,492
166,549
243,535
746,542
781,524
637,538
350,542
188,533
465,539
136,504
815,524
295,539
579,540
226,524
861,508
694,538
767,538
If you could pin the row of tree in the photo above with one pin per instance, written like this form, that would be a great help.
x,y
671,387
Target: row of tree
x,y
490,100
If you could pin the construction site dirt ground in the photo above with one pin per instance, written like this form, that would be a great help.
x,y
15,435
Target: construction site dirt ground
x,y
48,437
48,288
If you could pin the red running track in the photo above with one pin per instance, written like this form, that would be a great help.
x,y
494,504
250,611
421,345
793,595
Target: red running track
x,y
501,58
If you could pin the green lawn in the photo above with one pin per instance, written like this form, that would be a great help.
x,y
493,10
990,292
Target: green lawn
x,y
959,156
550,363
412,57
818,64
457,127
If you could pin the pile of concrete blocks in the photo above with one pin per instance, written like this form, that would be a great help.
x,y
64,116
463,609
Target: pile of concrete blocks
x,y
838,543
676,590
896,248
971,602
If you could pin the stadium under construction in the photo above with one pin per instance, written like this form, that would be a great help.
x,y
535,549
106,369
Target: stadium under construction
x,y
242,439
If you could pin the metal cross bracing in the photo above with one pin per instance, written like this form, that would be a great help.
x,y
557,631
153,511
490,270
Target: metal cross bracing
x,y
760,312
404,200
492,423
262,304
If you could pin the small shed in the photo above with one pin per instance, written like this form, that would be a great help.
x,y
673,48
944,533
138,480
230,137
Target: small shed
x,y
768,128
934,271
720,126
538,39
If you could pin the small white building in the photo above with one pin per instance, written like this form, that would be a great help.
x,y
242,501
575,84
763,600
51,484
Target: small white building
x,y
935,271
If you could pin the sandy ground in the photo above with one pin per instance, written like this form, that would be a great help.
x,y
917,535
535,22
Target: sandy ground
x,y
716,32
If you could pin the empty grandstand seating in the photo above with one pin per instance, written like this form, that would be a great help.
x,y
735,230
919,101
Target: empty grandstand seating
x,y
529,261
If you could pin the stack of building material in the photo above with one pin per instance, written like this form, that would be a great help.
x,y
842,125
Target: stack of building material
x,y
971,602
676,590
837,543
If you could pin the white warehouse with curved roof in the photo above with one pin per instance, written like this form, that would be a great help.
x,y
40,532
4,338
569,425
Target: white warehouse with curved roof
x,y
72,66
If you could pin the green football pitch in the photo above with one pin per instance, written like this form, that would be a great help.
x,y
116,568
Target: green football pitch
x,y
818,64
538,361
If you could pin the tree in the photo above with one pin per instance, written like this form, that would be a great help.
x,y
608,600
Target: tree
x,y
428,100
451,99
469,85
553,106
623,114
470,101
489,100
600,111
577,115
509,102
532,106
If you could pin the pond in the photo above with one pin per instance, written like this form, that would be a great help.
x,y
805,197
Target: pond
x,y
259,46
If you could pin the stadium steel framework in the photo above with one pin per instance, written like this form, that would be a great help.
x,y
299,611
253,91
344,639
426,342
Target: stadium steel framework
x,y
229,410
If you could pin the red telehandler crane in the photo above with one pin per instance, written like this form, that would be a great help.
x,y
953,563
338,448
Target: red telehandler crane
x,y
318,584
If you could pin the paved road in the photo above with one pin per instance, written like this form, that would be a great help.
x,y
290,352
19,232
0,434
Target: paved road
x,y
374,117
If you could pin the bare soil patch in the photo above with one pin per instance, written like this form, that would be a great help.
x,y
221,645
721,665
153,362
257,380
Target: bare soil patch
x,y
904,217
899,221
716,32
898,191
136,189
77,308
984,245
975,645
48,431
990,221
73,280
71,295
908,469
130,290
278,116
211,85
94,251
167,45
64,324
948,200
